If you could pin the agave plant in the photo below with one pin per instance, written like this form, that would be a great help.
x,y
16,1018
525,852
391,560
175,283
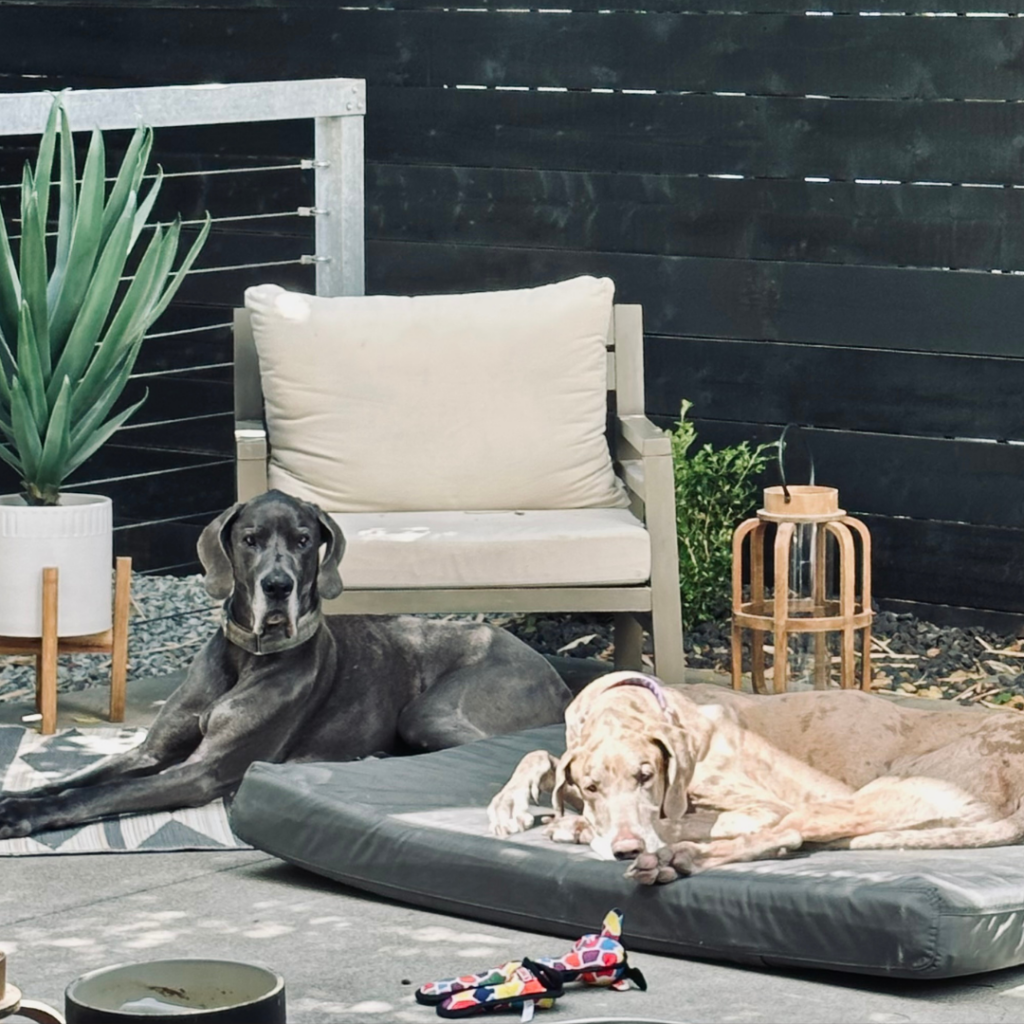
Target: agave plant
x,y
69,337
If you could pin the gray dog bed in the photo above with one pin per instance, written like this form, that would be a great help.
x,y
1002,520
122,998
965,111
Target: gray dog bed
x,y
414,829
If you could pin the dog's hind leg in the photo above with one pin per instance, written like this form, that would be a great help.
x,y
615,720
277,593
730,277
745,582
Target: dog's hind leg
x,y
484,699
175,733
1006,831
888,813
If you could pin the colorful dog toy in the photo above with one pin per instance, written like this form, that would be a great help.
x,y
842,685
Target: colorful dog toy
x,y
597,959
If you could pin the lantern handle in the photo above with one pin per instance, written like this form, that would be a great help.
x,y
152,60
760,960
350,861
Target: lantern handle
x,y
782,459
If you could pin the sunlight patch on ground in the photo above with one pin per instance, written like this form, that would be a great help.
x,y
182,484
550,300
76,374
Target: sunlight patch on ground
x,y
437,933
268,930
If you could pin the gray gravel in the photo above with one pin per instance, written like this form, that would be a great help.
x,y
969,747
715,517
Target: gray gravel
x,y
172,616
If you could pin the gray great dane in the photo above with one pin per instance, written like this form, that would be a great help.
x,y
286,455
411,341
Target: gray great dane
x,y
281,682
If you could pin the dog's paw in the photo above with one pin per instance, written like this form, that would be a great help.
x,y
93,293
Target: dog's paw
x,y
509,812
688,858
570,828
14,818
653,868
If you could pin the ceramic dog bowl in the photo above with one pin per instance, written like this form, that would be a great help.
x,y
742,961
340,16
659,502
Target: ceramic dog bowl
x,y
179,991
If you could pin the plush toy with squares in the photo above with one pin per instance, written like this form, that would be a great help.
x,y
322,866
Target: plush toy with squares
x,y
526,985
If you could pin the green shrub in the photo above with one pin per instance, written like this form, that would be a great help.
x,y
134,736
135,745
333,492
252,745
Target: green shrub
x,y
715,490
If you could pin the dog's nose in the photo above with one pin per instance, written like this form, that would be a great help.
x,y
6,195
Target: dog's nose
x,y
626,846
277,584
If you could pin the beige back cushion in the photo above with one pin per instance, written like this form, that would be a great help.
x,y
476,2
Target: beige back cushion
x,y
493,400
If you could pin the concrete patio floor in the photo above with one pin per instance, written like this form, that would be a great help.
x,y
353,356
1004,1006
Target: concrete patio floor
x,y
350,957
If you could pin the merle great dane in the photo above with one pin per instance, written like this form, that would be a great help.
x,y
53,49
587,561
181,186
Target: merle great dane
x,y
281,682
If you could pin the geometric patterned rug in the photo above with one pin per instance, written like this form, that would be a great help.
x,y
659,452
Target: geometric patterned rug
x,y
28,760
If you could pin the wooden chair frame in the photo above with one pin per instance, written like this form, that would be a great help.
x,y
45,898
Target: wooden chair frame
x,y
643,459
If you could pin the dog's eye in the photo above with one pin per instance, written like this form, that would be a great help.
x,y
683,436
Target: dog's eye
x,y
249,540
591,787
303,541
645,774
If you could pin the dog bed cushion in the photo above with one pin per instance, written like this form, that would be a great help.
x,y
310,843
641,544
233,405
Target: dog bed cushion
x,y
414,829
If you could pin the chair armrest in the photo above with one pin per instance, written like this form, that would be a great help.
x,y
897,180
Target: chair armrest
x,y
250,458
250,439
642,435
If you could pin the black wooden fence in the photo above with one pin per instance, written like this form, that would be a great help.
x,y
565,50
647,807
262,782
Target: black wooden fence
x,y
821,209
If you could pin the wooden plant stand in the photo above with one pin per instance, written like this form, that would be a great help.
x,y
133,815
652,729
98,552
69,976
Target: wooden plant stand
x,y
113,641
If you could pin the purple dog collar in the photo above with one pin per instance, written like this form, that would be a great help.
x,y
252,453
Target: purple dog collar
x,y
648,683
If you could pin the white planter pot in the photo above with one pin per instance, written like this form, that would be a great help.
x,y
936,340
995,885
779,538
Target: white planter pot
x,y
76,536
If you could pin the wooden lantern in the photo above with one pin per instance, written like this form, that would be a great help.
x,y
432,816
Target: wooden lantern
x,y
819,554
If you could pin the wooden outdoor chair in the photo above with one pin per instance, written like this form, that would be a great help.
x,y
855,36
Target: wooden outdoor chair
x,y
441,501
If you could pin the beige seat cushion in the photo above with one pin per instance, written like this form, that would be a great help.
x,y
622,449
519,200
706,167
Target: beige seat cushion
x,y
494,400
493,549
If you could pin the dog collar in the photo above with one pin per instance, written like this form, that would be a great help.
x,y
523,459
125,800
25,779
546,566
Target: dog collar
x,y
254,643
653,686
648,683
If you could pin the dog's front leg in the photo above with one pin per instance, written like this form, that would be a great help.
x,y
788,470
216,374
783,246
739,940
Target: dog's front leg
x,y
679,859
509,811
251,722
570,828
188,785
213,770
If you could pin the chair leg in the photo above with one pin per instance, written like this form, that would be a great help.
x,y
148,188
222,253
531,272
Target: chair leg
x,y
629,642
667,634
47,679
119,643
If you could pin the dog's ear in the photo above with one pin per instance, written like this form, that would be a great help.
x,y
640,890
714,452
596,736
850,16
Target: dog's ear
x,y
563,782
674,799
328,582
213,553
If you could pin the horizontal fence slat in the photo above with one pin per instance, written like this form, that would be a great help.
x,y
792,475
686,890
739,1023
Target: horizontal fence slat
x,y
772,54
212,434
873,390
224,290
165,547
777,137
835,222
227,247
952,563
180,352
184,396
871,307
141,480
883,474
116,460
591,6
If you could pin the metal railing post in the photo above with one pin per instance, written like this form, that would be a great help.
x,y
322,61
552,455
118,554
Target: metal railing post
x,y
339,198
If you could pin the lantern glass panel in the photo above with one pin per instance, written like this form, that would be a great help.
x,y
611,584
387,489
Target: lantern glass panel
x,y
813,591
